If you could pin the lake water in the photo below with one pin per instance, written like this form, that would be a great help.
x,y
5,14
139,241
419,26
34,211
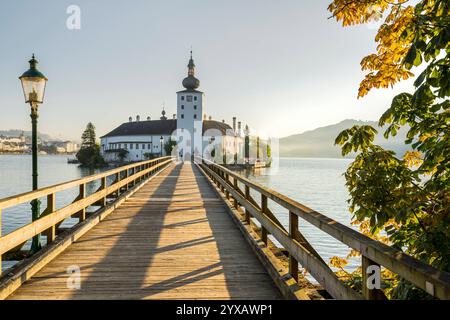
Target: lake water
x,y
317,183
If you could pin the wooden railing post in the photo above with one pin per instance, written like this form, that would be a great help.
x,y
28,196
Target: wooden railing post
x,y
81,215
264,211
247,197
117,180
227,193
293,229
0,238
236,204
126,176
51,207
102,187
130,174
371,280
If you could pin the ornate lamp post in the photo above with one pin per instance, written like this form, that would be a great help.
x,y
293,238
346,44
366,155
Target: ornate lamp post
x,y
33,84
161,140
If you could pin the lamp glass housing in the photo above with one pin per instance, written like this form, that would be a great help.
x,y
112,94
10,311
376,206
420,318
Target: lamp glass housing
x,y
33,89
33,83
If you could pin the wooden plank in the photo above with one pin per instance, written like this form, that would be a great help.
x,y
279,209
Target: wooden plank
x,y
184,247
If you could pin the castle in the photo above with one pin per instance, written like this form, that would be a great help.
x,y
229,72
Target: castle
x,y
189,128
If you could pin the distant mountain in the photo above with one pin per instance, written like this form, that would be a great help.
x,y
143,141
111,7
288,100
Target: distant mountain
x,y
320,142
17,133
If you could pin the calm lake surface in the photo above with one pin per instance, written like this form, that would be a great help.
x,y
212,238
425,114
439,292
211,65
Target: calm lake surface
x,y
316,183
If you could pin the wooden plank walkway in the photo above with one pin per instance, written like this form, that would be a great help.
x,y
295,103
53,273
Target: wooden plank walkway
x,y
172,239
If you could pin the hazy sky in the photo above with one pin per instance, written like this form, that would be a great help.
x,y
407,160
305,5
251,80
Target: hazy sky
x,y
280,66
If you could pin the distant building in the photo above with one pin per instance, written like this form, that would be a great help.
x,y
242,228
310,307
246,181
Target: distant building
x,y
69,146
62,146
189,128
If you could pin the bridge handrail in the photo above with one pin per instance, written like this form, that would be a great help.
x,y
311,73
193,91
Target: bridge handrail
x,y
430,279
125,177
42,192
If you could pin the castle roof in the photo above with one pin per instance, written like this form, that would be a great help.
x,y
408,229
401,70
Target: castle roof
x,y
160,127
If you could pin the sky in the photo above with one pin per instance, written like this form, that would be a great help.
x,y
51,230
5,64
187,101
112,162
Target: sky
x,y
282,67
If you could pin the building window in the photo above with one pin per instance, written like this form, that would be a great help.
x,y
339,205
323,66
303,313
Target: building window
x,y
182,107
182,116
189,98
195,107
149,146
143,146
131,146
195,116
195,98
182,98
137,146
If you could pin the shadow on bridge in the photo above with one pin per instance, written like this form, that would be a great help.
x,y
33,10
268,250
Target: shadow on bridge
x,y
186,247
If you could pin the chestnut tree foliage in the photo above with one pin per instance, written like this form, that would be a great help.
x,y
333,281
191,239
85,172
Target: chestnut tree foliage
x,y
403,201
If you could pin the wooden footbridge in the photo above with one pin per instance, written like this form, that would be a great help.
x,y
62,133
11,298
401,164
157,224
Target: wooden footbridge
x,y
165,230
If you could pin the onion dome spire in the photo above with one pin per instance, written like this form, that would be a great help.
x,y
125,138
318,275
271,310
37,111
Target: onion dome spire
x,y
191,82
163,113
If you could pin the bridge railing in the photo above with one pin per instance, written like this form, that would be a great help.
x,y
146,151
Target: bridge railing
x,y
123,178
373,253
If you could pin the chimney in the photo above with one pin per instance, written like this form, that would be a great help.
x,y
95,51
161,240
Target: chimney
x,y
138,118
223,121
234,124
148,118
174,116
210,118
130,119
239,128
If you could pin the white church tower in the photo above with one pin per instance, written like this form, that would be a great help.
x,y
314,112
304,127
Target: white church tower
x,y
190,114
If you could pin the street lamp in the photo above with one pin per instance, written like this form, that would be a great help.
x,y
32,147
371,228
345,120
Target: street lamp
x,y
33,84
161,140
